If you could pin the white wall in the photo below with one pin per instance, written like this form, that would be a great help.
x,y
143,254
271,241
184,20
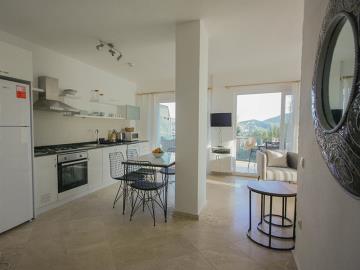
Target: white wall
x,y
329,238
53,128
191,116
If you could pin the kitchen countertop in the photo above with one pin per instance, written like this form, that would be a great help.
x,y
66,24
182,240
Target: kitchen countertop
x,y
79,147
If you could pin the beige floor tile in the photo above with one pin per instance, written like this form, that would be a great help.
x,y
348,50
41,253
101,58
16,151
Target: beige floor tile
x,y
89,234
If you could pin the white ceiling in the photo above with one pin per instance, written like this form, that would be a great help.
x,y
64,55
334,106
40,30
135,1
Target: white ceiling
x,y
243,34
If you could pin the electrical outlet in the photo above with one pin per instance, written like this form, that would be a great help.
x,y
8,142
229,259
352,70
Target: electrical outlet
x,y
299,224
302,162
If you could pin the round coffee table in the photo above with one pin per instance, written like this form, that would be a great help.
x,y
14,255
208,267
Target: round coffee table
x,y
282,237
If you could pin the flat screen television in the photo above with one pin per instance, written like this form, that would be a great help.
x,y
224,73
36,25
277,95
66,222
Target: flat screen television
x,y
220,120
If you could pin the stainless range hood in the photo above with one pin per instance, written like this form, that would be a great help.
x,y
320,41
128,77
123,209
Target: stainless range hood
x,y
51,100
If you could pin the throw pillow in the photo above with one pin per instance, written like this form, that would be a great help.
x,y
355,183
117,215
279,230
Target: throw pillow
x,y
276,158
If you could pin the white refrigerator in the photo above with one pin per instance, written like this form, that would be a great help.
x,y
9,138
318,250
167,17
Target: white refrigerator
x,y
16,177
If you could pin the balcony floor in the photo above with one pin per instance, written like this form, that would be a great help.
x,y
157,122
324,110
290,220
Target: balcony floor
x,y
246,169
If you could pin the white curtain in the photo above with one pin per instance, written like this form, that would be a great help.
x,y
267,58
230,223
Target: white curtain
x,y
148,125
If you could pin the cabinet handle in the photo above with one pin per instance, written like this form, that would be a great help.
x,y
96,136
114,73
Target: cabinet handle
x,y
55,165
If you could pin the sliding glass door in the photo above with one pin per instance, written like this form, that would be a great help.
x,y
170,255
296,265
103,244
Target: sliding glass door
x,y
264,121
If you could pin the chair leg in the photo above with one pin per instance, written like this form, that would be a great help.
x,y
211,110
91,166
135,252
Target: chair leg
x,y
153,207
117,197
165,200
125,196
132,203
143,201
249,158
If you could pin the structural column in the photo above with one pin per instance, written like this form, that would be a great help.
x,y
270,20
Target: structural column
x,y
191,117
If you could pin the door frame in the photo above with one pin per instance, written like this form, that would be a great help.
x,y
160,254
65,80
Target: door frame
x,y
284,89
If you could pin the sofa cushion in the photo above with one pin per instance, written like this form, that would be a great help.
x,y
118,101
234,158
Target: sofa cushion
x,y
283,174
276,159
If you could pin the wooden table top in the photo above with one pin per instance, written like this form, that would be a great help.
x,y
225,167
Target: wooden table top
x,y
273,188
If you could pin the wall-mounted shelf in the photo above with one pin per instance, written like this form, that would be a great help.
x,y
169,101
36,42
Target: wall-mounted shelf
x,y
38,90
99,117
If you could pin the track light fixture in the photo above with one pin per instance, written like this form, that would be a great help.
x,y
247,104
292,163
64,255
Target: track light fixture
x,y
99,46
112,50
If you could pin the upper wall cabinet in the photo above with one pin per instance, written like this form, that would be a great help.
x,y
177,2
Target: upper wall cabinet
x,y
130,112
15,62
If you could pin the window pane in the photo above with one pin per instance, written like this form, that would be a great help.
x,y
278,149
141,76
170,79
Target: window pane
x,y
167,126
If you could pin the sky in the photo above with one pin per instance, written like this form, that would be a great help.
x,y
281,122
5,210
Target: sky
x,y
258,106
254,106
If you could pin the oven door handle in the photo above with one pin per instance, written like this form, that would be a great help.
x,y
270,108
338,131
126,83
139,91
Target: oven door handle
x,y
73,162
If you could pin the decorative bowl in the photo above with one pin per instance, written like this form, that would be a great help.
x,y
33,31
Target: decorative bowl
x,y
158,155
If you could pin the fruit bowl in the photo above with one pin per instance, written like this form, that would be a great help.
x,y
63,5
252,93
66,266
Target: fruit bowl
x,y
158,155
157,152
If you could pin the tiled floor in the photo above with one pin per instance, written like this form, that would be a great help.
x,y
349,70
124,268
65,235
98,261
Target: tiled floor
x,y
245,168
88,234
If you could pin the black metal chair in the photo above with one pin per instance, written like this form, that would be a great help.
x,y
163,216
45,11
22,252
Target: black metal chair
x,y
117,172
148,192
132,154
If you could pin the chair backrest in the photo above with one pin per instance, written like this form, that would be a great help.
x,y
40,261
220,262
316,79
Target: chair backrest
x,y
116,166
250,143
132,154
171,150
167,144
141,168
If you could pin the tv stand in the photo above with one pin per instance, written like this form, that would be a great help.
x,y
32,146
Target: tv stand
x,y
221,150
221,160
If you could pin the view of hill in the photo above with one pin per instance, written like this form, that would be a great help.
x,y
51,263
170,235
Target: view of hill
x,y
249,126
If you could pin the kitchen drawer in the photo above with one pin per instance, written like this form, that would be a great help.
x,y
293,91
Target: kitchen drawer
x,y
95,168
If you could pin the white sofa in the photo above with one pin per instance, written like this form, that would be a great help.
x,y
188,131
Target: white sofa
x,y
288,174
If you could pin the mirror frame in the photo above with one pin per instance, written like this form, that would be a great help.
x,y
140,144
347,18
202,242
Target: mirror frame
x,y
339,145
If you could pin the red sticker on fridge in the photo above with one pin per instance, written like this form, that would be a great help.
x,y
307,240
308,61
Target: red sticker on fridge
x,y
21,92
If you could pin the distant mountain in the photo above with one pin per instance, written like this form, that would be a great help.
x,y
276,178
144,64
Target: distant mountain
x,y
255,123
273,120
249,126
276,120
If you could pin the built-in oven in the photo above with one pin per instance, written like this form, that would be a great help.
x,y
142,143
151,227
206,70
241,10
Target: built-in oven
x,y
72,170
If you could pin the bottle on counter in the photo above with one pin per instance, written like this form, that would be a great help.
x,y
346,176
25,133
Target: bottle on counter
x,y
113,136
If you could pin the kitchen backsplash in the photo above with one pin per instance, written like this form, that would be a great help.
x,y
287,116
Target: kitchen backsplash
x,y
54,128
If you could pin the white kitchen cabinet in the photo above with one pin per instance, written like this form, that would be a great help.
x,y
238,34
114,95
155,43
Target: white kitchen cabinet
x,y
45,180
95,168
222,163
15,62
106,161
129,112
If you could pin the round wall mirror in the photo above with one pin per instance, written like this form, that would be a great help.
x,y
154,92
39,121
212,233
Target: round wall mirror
x,y
339,67
336,93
